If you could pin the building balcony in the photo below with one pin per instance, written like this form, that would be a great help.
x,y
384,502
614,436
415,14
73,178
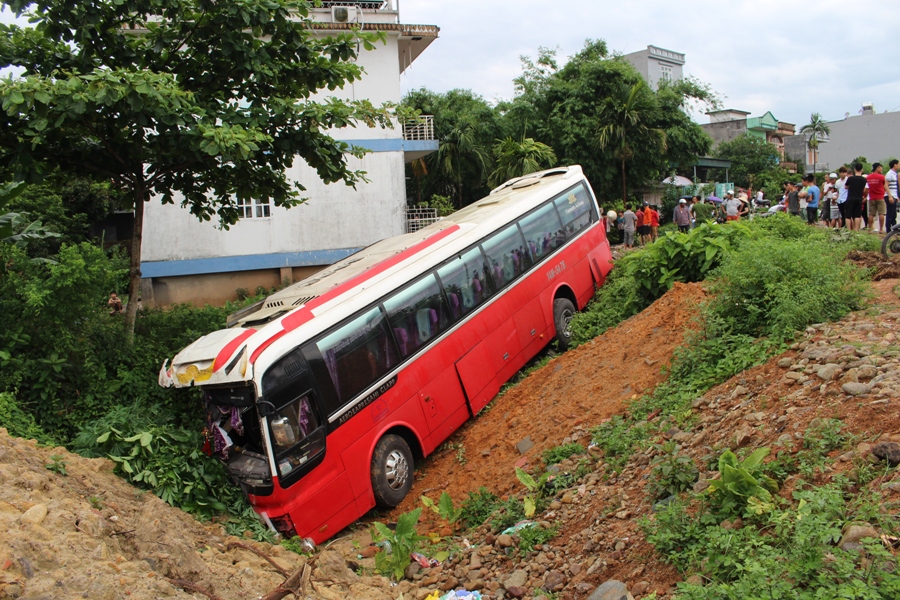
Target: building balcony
x,y
419,128
418,137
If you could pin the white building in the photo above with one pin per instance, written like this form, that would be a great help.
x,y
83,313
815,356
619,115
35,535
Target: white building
x,y
655,64
185,260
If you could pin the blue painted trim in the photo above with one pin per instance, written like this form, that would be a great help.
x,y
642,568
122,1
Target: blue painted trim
x,y
249,262
395,145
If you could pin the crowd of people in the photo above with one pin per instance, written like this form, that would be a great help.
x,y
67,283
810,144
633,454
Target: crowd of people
x,y
853,201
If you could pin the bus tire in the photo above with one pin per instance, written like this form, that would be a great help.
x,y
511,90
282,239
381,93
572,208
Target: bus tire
x,y
392,471
563,311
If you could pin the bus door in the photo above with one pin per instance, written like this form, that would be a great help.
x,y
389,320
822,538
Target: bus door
x,y
530,325
444,405
478,377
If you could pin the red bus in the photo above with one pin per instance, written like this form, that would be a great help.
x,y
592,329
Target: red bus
x,y
321,398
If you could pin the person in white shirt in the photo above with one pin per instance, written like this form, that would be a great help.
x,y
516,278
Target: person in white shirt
x,y
891,196
829,201
840,187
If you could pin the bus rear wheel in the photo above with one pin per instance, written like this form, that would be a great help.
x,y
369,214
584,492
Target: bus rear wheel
x,y
392,470
563,311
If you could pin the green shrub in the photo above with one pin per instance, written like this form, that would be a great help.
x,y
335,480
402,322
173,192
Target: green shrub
x,y
478,507
529,537
18,423
641,277
742,486
152,452
775,287
557,454
788,553
403,541
671,472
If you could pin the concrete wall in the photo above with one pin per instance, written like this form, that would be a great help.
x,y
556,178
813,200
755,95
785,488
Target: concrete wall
x,y
874,136
725,131
335,216
215,288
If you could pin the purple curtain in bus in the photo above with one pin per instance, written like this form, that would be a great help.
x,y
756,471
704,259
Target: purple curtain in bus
x,y
303,417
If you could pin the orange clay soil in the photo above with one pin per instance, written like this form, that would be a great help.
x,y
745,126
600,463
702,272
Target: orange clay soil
x,y
584,386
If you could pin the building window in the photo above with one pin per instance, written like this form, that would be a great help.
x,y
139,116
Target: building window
x,y
250,208
665,72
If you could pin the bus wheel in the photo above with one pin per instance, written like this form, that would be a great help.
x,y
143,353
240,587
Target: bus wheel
x,y
563,311
392,470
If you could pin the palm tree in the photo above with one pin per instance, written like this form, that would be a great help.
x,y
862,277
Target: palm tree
x,y
458,146
626,118
419,170
515,159
817,129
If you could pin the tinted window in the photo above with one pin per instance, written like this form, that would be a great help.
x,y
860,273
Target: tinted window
x,y
417,314
543,231
464,282
576,210
297,434
358,353
506,255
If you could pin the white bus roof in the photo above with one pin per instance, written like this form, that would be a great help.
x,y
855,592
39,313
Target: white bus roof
x,y
314,304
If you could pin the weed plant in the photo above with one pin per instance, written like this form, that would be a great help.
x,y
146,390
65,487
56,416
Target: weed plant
x,y
529,537
478,507
557,454
789,552
672,472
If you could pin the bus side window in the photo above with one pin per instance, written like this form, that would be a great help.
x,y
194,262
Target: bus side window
x,y
506,254
462,279
576,210
417,314
358,353
541,229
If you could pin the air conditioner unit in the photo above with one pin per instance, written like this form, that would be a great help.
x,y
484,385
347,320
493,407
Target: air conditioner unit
x,y
343,14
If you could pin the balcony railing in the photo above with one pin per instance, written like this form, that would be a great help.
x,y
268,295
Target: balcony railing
x,y
420,128
419,217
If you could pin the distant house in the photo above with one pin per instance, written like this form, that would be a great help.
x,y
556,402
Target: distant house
x,y
871,135
657,64
185,260
726,125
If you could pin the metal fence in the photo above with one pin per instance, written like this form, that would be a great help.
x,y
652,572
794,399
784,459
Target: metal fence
x,y
417,218
420,128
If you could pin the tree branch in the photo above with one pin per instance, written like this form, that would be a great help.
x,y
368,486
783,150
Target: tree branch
x,y
260,554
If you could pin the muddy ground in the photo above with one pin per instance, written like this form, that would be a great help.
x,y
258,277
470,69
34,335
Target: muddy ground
x,y
88,534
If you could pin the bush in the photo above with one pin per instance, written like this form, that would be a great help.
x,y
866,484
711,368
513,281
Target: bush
x,y
18,423
789,553
775,287
641,277
478,507
151,451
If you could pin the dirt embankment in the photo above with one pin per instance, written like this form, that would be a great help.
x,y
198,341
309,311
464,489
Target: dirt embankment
x,y
88,534
560,402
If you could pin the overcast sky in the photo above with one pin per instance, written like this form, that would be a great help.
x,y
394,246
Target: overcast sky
x,y
788,56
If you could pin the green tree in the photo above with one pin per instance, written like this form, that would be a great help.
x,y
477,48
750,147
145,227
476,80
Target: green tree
x,y
465,126
625,118
459,146
14,227
195,101
750,156
817,129
514,159
561,106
